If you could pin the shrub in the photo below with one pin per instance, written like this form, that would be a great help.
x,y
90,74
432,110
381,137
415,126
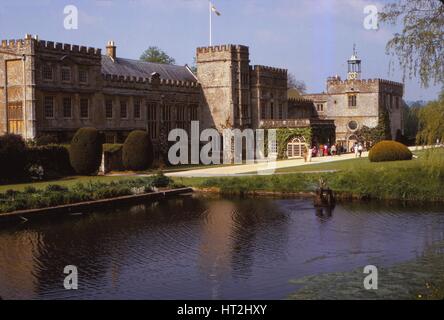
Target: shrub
x,y
388,150
161,181
56,188
137,151
54,159
12,157
46,139
85,152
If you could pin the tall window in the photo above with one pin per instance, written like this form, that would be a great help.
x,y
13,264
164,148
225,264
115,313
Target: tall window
x,y
49,107
66,74
193,112
47,72
281,111
67,107
152,119
320,107
123,109
84,108
272,110
352,100
263,111
245,110
137,114
109,108
83,76
166,117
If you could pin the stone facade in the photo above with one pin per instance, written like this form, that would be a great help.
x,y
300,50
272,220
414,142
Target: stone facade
x,y
65,87
237,94
354,103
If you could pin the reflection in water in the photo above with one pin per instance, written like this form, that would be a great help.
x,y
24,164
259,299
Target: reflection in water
x,y
195,247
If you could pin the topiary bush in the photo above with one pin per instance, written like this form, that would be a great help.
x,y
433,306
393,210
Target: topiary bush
x,y
85,152
12,157
389,150
137,153
54,159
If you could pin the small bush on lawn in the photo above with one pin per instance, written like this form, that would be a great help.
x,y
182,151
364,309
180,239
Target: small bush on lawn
x,y
85,152
161,181
137,153
12,157
389,151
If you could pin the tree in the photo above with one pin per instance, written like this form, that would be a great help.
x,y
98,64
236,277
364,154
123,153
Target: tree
x,y
298,85
85,152
420,45
156,55
137,153
431,122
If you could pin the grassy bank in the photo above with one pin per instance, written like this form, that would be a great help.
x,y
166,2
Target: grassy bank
x,y
419,179
57,194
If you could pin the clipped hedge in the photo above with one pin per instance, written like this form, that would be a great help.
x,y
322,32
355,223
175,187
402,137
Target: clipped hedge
x,y
54,159
85,152
137,153
389,150
12,157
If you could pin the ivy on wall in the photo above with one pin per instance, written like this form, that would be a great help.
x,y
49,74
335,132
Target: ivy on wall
x,y
284,135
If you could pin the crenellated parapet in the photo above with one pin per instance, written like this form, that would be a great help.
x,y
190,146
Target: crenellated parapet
x,y
58,47
261,69
337,81
149,81
222,48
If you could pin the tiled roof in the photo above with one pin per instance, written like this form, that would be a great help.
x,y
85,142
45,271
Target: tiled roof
x,y
136,68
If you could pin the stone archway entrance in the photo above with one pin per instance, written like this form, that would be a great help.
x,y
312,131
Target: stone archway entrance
x,y
351,140
296,148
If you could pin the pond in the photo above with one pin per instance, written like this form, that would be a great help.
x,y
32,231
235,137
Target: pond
x,y
210,247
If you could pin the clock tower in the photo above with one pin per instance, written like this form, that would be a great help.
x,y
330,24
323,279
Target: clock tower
x,y
354,66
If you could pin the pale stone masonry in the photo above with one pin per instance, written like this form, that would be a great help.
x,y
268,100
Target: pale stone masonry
x,y
355,103
49,88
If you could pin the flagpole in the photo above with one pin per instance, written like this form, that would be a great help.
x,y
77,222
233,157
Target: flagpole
x,y
211,22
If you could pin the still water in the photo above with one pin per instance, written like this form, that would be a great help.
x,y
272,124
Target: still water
x,y
201,247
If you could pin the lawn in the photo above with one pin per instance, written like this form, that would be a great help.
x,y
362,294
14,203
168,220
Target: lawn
x,y
420,179
65,182
351,164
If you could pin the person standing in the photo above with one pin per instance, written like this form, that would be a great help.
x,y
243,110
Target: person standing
x,y
355,149
360,149
333,150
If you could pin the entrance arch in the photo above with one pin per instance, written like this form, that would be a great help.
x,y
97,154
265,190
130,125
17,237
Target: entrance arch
x,y
296,148
351,140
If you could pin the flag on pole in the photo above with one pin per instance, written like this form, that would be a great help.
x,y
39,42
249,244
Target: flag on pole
x,y
213,8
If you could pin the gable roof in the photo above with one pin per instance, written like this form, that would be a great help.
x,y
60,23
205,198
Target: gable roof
x,y
137,68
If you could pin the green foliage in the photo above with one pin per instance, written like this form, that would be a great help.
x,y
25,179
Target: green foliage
x,y
46,139
381,132
137,153
12,157
431,122
388,150
419,46
112,147
54,195
156,55
54,159
161,181
421,180
284,135
86,151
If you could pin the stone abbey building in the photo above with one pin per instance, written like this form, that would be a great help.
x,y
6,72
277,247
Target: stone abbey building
x,y
49,88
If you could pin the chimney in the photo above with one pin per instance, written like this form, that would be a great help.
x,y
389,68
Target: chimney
x,y
111,50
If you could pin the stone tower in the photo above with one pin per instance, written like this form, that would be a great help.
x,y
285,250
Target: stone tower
x,y
224,75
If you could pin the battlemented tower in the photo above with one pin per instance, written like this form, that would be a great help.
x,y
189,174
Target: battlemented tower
x,y
224,75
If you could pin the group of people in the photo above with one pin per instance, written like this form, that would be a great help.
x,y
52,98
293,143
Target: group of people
x,y
325,150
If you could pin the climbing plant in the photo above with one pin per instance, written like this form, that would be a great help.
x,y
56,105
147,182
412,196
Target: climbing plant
x,y
283,136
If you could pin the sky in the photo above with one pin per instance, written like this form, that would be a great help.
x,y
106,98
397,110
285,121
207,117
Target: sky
x,y
312,39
